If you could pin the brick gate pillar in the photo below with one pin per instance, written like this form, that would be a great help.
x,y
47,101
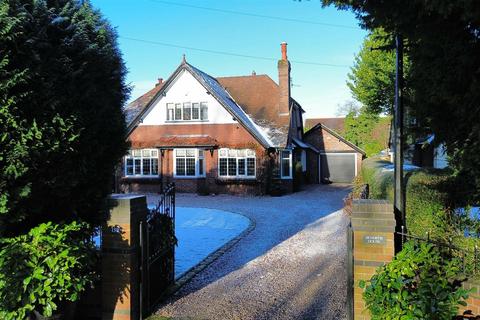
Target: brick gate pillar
x,y
121,276
373,225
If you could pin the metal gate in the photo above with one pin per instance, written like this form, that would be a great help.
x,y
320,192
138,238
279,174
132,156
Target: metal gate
x,y
350,280
158,252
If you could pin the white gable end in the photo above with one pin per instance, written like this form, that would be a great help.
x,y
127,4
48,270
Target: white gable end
x,y
185,89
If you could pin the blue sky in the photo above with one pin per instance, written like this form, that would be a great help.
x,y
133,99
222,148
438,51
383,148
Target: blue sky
x,y
318,88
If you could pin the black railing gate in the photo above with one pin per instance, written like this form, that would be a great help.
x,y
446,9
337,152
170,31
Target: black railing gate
x,y
350,280
158,251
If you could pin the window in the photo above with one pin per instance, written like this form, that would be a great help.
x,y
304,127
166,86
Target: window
x,y
141,162
187,111
170,111
236,163
195,111
178,111
203,111
286,164
189,163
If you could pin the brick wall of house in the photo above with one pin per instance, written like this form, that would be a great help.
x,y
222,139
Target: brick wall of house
x,y
226,136
312,167
326,142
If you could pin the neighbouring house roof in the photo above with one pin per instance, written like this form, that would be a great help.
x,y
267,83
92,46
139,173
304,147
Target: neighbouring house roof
x,y
167,141
142,104
337,124
335,134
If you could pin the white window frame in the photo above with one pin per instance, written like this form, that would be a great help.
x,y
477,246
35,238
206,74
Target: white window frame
x,y
187,105
290,158
131,155
249,154
170,115
199,154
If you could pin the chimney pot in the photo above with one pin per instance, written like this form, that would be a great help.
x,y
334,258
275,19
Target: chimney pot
x,y
284,51
160,81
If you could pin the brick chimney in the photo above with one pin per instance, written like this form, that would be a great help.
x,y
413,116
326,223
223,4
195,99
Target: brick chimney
x,y
284,82
160,82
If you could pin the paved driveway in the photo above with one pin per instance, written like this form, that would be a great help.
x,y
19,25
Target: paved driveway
x,y
291,266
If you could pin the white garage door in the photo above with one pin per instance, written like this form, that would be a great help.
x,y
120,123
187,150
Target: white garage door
x,y
338,167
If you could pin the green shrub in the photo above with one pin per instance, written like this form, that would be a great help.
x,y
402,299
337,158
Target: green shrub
x,y
49,265
422,282
427,197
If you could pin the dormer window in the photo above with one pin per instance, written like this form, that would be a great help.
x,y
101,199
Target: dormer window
x,y
187,111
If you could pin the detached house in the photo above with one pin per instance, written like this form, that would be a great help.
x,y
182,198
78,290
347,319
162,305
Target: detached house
x,y
216,135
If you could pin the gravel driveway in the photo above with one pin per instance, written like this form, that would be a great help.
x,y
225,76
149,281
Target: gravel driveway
x,y
291,266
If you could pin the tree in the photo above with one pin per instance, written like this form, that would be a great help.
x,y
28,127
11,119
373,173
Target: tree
x,y
444,53
347,107
62,87
372,77
367,130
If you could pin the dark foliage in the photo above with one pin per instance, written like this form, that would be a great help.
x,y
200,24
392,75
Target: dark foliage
x,y
61,92
444,52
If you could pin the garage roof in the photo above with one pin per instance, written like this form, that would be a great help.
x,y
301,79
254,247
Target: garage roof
x,y
337,135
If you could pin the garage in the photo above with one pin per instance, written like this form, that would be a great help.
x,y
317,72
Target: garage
x,y
338,167
339,160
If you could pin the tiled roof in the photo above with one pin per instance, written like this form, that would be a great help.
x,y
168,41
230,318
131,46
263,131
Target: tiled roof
x,y
158,141
212,85
319,126
228,101
253,100
134,107
259,96
336,124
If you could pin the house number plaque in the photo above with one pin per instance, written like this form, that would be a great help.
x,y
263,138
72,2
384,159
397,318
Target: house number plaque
x,y
374,239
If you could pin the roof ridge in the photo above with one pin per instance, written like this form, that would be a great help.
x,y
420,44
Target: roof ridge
x,y
336,134
249,75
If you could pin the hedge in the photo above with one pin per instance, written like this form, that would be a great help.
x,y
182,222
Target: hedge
x,y
427,196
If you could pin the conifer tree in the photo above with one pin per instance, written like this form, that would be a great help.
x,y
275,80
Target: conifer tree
x,y
62,88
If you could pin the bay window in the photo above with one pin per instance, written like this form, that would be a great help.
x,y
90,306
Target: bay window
x,y
141,162
189,163
236,163
286,164
187,111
